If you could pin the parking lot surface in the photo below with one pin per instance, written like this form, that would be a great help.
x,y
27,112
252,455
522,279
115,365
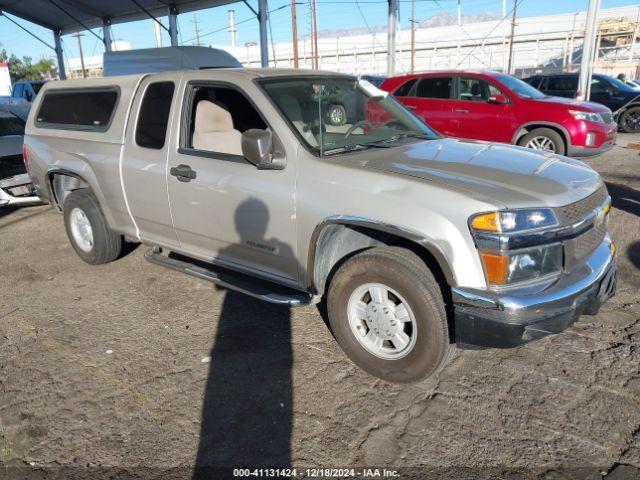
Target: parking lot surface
x,y
145,372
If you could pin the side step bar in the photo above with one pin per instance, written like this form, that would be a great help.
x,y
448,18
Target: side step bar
x,y
260,289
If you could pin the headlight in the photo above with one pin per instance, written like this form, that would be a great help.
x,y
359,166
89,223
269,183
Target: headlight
x,y
591,116
513,220
507,268
504,267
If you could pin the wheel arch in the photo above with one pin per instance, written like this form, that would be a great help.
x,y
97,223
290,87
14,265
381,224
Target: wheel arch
x,y
624,108
525,128
61,182
338,238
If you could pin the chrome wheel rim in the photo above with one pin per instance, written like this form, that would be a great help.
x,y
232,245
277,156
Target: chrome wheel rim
x,y
632,121
382,321
542,143
336,116
81,229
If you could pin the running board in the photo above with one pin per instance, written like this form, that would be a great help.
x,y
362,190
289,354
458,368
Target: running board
x,y
256,288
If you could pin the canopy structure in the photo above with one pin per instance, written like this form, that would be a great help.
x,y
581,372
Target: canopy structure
x,y
70,16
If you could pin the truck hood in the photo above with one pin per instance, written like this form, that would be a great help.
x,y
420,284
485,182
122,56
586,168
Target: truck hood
x,y
503,175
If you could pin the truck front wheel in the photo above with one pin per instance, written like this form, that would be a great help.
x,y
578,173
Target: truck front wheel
x,y
88,230
387,313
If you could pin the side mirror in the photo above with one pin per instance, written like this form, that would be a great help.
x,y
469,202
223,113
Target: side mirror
x,y
498,99
257,148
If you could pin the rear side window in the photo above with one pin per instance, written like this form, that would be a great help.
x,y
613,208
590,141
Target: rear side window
x,y
153,118
434,87
86,109
562,84
405,88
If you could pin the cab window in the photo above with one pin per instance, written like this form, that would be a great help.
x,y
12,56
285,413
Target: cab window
x,y
218,116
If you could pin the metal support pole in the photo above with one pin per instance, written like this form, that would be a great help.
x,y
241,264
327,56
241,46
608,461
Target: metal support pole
x,y
106,34
173,25
511,38
294,32
61,71
586,67
391,37
264,43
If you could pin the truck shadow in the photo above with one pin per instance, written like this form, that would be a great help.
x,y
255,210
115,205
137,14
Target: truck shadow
x,y
247,412
624,198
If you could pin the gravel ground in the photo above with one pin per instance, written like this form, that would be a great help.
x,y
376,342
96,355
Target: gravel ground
x,y
106,372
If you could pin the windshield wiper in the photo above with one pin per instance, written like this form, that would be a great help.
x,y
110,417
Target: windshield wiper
x,y
354,146
400,136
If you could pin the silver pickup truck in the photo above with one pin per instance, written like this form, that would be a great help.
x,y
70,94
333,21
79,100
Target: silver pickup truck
x,y
415,242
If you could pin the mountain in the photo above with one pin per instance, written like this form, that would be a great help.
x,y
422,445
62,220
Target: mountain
x,y
438,20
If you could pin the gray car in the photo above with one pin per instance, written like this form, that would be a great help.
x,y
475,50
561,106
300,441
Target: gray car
x,y
15,184
416,242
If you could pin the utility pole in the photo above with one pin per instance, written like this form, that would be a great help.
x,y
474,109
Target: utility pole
x,y
158,33
391,37
413,36
511,39
78,36
314,36
294,29
504,8
459,15
232,27
196,27
588,51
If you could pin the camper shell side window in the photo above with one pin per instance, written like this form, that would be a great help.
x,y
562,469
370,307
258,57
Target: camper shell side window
x,y
85,109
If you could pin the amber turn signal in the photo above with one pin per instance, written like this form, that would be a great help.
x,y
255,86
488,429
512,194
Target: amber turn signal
x,y
487,222
495,267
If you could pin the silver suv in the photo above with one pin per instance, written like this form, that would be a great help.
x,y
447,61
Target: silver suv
x,y
243,177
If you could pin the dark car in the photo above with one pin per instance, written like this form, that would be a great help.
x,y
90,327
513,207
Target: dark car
x,y
623,99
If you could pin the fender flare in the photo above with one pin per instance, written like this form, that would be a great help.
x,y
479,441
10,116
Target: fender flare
x,y
382,227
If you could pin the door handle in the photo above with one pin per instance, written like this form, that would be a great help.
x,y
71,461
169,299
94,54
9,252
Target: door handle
x,y
183,173
461,110
410,107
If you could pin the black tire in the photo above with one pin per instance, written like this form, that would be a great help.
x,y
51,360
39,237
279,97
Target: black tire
x,y
630,120
404,272
559,145
337,115
107,244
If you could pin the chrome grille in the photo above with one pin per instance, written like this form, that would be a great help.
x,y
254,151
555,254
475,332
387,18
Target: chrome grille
x,y
575,212
607,117
588,241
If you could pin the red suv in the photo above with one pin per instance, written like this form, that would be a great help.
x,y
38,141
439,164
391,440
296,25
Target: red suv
x,y
500,108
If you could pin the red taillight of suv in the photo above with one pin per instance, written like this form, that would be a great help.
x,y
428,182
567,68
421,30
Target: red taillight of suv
x,y
24,157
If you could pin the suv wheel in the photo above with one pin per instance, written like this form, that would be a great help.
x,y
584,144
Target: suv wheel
x,y
87,229
337,115
388,315
543,139
630,120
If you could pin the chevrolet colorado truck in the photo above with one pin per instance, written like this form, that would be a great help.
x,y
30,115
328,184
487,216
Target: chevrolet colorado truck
x,y
415,241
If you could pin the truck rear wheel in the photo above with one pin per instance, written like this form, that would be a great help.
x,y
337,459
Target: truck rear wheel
x,y
387,313
87,229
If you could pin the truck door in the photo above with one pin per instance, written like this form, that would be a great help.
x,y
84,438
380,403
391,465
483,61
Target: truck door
x,y
224,209
143,165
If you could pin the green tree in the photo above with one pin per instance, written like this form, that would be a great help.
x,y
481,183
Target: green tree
x,y
25,69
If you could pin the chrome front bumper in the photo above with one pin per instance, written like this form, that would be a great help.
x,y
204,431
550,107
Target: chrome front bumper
x,y
506,319
20,183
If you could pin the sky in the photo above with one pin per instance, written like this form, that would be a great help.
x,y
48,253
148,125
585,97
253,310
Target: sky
x,y
331,14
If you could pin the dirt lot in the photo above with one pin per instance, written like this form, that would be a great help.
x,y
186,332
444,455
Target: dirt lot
x,y
108,370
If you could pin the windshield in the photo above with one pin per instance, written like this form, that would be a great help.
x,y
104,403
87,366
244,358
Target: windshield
x,y
336,115
11,125
618,84
520,88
